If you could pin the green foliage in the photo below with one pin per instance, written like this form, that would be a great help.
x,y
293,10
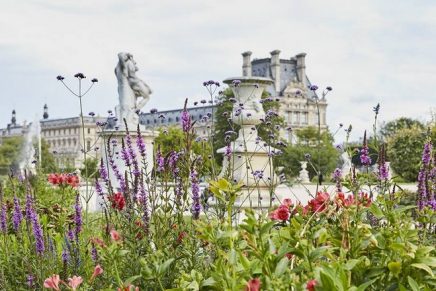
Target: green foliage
x,y
404,152
48,163
392,127
9,153
90,167
323,158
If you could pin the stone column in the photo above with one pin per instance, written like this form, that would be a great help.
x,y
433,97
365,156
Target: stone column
x,y
250,162
118,135
246,64
275,69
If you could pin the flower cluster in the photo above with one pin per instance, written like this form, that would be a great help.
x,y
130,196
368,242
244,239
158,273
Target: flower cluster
x,y
63,179
117,201
282,213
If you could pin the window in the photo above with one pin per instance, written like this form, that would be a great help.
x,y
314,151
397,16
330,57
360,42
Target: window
x,y
295,117
89,130
88,145
148,121
177,119
304,118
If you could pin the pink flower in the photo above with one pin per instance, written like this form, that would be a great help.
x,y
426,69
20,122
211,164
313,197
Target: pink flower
x,y
115,235
287,202
311,285
98,270
75,282
253,285
52,282
281,213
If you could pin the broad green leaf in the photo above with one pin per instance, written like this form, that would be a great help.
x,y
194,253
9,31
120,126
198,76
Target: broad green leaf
x,y
281,266
164,267
209,282
365,285
423,267
351,264
412,283
131,280
430,261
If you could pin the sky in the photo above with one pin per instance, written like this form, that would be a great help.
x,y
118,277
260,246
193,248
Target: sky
x,y
369,51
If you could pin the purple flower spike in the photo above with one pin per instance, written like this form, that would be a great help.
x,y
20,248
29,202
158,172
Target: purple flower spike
x,y
195,187
17,216
3,219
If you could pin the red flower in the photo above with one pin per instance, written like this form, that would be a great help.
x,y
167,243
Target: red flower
x,y
287,202
289,256
63,179
115,235
283,213
311,285
253,285
118,201
181,236
319,204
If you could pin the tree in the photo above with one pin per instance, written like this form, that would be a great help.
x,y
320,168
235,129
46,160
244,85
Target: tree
x,y
405,151
173,139
267,130
390,128
9,154
48,163
323,158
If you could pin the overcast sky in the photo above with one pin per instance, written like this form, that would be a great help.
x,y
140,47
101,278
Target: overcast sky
x,y
368,51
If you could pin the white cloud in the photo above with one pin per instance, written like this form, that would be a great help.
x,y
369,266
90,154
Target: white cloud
x,y
369,51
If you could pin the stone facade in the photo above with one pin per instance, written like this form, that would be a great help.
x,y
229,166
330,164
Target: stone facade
x,y
65,139
13,128
299,106
168,118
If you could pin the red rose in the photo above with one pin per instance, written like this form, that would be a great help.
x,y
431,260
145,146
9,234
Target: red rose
x,y
283,213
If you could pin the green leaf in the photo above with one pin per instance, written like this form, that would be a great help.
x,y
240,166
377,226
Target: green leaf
x,y
209,282
164,267
266,227
376,211
351,264
423,267
365,285
130,280
429,261
412,283
281,266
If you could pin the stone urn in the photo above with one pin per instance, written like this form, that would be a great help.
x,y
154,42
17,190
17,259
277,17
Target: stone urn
x,y
250,160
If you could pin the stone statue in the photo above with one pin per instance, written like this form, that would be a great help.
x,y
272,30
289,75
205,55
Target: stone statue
x,y
133,92
304,174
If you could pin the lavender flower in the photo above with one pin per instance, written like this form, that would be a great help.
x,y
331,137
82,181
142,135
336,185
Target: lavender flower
x,y
426,154
422,189
3,219
65,256
78,216
117,173
17,216
125,155
140,144
383,171
195,187
337,176
94,253
37,230
160,161
132,155
29,207
144,203
364,153
186,120
30,280
103,172
228,152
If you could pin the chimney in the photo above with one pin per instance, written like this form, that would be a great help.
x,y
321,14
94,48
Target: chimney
x,y
246,64
14,118
275,68
45,115
301,68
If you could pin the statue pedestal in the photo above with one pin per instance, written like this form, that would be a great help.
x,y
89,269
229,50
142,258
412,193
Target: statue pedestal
x,y
250,161
113,140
